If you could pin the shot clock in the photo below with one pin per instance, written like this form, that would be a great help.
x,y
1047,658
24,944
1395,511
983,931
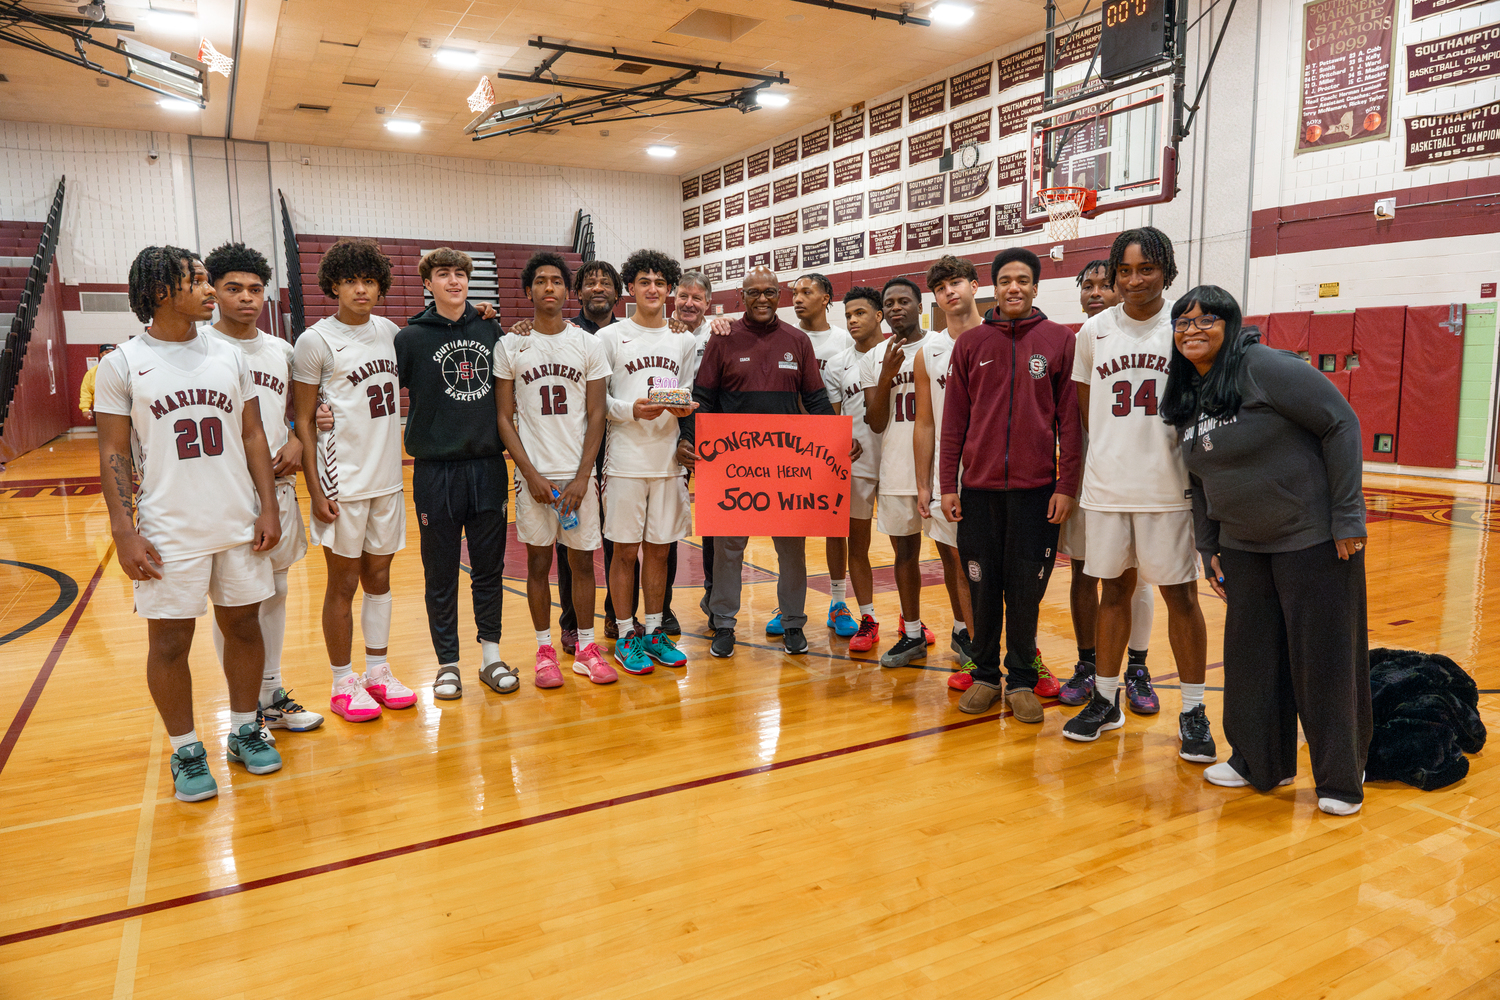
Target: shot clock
x,y
1136,34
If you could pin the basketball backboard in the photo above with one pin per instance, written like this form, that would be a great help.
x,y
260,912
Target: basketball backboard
x,y
1116,142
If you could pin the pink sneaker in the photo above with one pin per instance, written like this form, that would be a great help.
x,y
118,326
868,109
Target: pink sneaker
x,y
589,661
547,673
927,633
384,688
351,701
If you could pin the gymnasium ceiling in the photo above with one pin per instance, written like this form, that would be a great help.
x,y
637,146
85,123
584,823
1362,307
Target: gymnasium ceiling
x,y
355,56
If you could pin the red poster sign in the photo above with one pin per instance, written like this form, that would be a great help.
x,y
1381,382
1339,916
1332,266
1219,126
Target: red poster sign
x,y
786,476
1346,72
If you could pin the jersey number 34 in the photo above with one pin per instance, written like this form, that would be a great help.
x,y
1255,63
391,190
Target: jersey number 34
x,y
1145,398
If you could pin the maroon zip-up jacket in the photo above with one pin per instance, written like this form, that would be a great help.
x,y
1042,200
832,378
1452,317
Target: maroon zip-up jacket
x,y
1010,408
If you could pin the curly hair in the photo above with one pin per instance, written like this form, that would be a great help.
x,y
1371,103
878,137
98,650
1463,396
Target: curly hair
x,y
155,275
354,258
867,293
233,257
1012,255
901,280
444,257
652,261
597,267
1097,264
948,267
1156,247
818,280
539,260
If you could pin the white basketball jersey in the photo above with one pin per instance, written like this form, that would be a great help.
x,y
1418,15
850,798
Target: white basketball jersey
x,y
898,463
936,349
1134,463
195,495
552,372
829,344
355,367
637,357
845,387
270,362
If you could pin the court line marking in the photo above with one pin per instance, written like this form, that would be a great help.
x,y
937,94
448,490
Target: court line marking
x,y
130,936
67,593
144,909
13,733
1450,818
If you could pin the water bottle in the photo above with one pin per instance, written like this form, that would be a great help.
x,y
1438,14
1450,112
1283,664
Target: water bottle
x,y
569,521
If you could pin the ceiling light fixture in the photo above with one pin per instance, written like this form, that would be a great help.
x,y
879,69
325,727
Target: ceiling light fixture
x,y
951,14
456,58
177,104
771,99
661,152
404,126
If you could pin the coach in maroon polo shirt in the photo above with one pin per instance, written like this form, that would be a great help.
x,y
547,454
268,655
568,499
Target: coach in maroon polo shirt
x,y
762,366
1011,425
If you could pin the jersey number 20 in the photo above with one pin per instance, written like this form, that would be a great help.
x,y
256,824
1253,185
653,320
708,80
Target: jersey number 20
x,y
189,431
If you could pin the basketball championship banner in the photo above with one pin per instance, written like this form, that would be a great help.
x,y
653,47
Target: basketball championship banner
x,y
779,475
1457,135
1460,58
1427,8
1346,72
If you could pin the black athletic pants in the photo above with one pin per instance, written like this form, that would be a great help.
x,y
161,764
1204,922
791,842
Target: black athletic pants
x,y
1008,547
1296,643
569,617
454,500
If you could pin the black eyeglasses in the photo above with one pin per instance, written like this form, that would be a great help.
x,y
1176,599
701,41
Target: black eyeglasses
x,y
1184,324
762,293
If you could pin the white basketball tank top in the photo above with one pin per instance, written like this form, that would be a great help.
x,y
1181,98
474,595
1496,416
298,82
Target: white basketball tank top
x,y
936,350
270,362
361,457
898,462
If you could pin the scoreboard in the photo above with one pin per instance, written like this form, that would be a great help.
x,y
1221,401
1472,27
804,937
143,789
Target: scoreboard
x,y
1136,34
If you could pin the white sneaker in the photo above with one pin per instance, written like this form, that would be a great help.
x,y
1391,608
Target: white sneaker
x,y
1338,807
1225,776
281,712
350,700
383,686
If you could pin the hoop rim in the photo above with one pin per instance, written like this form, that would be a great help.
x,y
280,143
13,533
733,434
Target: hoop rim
x,y
1065,193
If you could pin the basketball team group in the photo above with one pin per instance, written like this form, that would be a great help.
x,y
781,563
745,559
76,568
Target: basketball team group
x,y
1160,442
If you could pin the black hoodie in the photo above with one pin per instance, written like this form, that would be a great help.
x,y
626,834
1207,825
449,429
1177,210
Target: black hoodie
x,y
448,370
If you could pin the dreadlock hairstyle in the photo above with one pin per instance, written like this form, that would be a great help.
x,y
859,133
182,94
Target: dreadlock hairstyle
x,y
155,275
1012,255
597,267
867,293
948,267
649,261
539,260
1098,264
900,280
1156,246
1189,395
819,280
354,258
444,257
233,257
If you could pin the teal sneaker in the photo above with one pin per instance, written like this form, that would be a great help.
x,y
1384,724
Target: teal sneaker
x,y
190,774
660,647
631,652
247,747
841,620
774,626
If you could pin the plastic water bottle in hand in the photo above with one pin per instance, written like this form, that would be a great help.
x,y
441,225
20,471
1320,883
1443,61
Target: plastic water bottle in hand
x,y
569,521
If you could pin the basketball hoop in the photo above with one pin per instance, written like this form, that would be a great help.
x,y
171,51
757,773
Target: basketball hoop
x,y
216,61
483,96
1065,207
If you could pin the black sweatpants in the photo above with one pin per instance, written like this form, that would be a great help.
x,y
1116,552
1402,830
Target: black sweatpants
x,y
569,618
454,500
1296,643
1008,548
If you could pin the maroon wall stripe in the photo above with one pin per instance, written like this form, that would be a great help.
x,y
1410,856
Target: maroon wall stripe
x,y
1350,222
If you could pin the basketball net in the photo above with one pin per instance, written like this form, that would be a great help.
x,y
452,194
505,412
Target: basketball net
x,y
216,61
483,96
1064,211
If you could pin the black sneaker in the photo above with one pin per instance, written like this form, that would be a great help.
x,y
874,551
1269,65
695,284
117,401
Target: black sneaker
x,y
963,645
723,644
1097,716
670,624
1139,694
1197,737
906,649
793,641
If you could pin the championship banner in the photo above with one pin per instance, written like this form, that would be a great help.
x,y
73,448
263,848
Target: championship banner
x,y
1346,72
772,475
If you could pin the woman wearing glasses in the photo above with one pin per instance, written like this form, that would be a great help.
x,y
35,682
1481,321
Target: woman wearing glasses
x,y
1274,454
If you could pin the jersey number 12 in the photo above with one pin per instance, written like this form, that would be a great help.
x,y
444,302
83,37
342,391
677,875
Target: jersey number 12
x,y
554,400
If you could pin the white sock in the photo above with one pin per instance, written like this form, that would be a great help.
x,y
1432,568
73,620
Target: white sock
x,y
837,589
960,627
653,622
238,719
448,685
372,662
489,652
273,633
623,625
1107,687
544,638
1192,696
339,673
585,637
375,620
186,739
867,609
914,629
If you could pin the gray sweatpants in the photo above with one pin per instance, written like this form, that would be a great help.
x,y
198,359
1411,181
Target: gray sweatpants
x,y
791,582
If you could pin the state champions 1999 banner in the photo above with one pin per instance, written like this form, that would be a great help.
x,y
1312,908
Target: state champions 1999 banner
x,y
771,474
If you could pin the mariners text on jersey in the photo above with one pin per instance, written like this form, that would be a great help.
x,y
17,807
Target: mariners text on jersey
x,y
552,368
191,397
1154,362
269,381
670,364
364,371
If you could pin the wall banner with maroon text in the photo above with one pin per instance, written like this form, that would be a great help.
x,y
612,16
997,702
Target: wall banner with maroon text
x,y
1346,72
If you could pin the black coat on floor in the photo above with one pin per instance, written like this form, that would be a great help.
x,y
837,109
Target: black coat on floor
x,y
1426,719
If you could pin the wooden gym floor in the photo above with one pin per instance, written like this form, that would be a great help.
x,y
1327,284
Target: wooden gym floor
x,y
767,827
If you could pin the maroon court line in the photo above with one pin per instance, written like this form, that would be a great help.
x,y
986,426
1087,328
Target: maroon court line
x,y
484,831
23,714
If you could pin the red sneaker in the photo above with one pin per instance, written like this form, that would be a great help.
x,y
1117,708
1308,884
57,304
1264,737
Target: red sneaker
x,y
926,632
868,635
589,661
1047,686
963,678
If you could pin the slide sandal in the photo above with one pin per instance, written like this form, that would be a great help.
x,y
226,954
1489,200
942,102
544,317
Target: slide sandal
x,y
448,676
500,677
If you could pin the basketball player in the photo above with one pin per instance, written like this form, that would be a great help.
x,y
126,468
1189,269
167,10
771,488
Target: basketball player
x,y
239,275
550,392
811,295
953,283
863,312
646,506
1135,488
891,411
1011,455
690,306
743,373
446,360
1096,294
180,409
358,504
